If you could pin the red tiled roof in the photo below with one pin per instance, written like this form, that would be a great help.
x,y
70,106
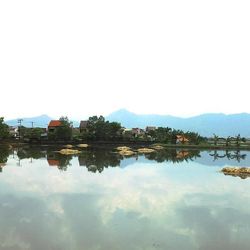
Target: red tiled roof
x,y
55,123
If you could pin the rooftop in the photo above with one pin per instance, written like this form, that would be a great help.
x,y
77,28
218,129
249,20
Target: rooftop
x,y
55,123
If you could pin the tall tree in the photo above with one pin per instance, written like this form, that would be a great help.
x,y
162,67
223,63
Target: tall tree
x,y
99,129
228,140
238,139
64,132
216,139
4,129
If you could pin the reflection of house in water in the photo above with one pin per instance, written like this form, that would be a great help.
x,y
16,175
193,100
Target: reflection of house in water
x,y
61,161
52,159
53,163
182,154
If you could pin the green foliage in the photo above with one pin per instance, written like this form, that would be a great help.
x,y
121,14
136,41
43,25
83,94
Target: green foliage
x,y
163,134
228,140
238,140
4,153
33,133
99,129
216,139
168,135
194,138
4,129
63,132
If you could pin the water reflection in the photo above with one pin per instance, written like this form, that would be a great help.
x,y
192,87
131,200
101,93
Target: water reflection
x,y
234,155
96,160
145,204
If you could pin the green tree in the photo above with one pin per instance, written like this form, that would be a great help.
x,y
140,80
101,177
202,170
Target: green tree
x,y
4,129
163,134
4,153
64,132
33,133
228,141
194,138
99,129
238,140
216,139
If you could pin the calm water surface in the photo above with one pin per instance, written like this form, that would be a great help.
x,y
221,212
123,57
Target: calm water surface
x,y
99,200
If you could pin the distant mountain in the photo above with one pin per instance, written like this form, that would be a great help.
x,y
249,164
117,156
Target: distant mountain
x,y
41,121
206,124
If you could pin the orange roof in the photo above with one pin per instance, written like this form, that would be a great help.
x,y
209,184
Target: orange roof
x,y
55,123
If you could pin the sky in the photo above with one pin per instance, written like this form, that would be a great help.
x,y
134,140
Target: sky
x,y
81,58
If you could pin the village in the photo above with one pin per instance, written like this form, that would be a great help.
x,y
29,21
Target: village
x,y
97,129
62,129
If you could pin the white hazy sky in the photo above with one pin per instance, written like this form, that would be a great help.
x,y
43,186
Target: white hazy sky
x,y
80,58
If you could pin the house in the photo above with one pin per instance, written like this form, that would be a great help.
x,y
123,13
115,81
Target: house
x,y
13,131
53,125
127,133
83,126
181,139
138,131
150,128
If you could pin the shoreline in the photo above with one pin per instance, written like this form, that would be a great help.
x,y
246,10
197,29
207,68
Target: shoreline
x,y
109,144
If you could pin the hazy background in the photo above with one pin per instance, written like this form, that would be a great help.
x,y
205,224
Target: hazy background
x,y
79,58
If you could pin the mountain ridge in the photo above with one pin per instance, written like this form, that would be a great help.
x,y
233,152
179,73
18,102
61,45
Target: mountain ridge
x,y
205,124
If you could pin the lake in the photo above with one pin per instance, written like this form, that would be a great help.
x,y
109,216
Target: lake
x,y
171,199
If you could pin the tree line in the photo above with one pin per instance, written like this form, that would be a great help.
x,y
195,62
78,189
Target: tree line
x,y
98,129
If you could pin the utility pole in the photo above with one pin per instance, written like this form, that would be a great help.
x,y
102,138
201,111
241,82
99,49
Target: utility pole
x,y
19,121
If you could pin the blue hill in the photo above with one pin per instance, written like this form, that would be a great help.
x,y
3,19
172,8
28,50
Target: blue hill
x,y
205,124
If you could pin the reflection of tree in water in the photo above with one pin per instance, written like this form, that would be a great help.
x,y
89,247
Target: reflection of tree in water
x,y
4,154
173,155
29,152
236,155
60,161
216,155
97,160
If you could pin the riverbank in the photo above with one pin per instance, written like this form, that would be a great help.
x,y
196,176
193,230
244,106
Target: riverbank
x,y
111,144
205,146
